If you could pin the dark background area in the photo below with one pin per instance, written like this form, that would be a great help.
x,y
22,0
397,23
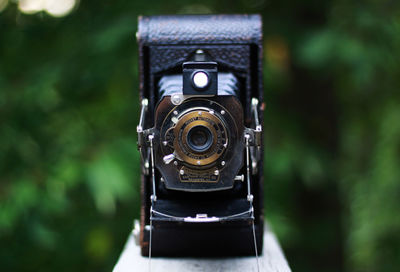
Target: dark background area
x,y
69,166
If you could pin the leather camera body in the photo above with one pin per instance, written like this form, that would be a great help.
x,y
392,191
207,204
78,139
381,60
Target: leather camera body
x,y
200,135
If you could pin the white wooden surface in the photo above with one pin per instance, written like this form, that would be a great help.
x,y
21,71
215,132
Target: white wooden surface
x,y
272,260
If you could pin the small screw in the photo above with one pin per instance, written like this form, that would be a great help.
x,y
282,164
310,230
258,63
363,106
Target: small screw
x,y
182,172
222,112
239,178
223,163
175,163
216,172
254,101
176,99
174,120
145,102
175,112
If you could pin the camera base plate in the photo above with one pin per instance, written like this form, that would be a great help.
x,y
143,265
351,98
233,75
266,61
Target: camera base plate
x,y
272,260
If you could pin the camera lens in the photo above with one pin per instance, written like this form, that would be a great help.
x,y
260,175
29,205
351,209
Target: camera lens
x,y
199,138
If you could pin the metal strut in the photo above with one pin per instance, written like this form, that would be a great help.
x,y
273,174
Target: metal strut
x,y
153,197
250,197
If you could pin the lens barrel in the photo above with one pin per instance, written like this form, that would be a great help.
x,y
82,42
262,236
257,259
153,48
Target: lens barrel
x,y
199,138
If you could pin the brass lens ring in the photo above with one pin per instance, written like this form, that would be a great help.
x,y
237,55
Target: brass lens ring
x,y
215,142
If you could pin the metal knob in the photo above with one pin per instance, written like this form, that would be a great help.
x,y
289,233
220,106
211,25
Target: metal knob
x,y
168,158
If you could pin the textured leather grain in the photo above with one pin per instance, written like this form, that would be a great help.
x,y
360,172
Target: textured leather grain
x,y
232,55
201,29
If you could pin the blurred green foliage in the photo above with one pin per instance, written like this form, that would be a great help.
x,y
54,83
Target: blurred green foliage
x,y
69,166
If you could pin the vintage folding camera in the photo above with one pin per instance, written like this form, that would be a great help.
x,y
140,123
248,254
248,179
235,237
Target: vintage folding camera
x,y
200,135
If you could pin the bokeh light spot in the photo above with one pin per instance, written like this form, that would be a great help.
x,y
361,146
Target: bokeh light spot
x,y
31,6
3,4
55,8
59,8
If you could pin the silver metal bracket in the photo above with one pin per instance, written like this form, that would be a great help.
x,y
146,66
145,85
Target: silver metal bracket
x,y
143,138
201,218
255,133
140,126
255,136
